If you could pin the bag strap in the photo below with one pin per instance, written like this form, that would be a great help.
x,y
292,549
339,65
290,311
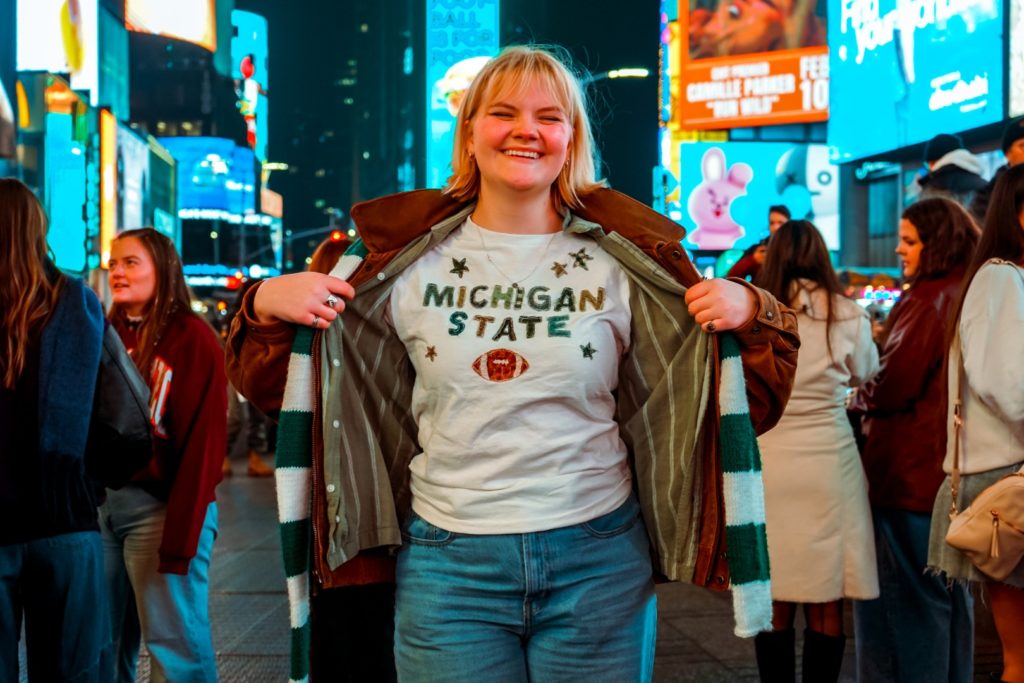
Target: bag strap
x,y
958,415
958,423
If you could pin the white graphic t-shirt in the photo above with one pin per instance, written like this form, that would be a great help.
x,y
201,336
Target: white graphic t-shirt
x,y
516,341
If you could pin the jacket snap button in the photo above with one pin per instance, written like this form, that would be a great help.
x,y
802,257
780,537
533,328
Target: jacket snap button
x,y
330,488
756,329
381,275
770,315
676,254
719,580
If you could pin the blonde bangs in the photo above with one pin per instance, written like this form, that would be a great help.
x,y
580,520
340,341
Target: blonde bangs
x,y
510,74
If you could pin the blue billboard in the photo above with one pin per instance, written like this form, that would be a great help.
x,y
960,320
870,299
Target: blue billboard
x,y
461,36
65,193
8,122
728,187
251,72
903,73
215,176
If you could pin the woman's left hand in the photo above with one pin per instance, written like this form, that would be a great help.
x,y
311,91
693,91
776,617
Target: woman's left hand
x,y
719,305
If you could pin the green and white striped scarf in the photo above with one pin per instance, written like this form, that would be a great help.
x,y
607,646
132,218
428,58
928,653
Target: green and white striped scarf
x,y
741,465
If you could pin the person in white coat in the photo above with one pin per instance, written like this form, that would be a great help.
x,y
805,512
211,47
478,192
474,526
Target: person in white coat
x,y
820,540
988,337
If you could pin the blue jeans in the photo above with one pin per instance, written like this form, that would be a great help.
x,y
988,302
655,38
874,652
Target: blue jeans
x,y
570,604
170,611
918,629
57,584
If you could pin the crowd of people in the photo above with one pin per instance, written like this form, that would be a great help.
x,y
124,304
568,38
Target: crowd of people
x,y
507,410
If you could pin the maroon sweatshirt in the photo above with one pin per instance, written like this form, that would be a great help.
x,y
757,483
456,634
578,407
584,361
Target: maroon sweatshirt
x,y
188,410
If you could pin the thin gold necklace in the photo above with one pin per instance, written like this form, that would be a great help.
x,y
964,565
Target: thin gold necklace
x,y
515,281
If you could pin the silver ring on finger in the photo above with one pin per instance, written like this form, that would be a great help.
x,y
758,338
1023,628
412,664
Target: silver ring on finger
x,y
316,321
331,301
710,327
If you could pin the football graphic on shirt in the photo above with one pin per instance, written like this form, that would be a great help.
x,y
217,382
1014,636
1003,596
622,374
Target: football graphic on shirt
x,y
500,365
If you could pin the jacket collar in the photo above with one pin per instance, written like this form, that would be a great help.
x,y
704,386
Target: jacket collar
x,y
389,223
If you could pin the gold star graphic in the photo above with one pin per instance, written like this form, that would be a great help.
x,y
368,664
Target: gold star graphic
x,y
559,269
431,353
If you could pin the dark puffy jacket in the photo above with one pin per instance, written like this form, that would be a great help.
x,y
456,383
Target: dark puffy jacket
x,y
904,405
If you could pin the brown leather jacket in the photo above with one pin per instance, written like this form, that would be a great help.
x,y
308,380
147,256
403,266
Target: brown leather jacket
x,y
904,405
257,353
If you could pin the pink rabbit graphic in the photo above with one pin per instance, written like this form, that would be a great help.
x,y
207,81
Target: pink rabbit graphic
x,y
710,202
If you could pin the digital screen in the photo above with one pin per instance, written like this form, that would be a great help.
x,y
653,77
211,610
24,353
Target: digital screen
x,y
747,62
8,76
214,174
460,37
191,20
250,71
108,183
132,179
61,36
1016,58
65,193
912,75
726,189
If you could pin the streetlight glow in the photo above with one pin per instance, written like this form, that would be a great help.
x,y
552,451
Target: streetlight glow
x,y
629,73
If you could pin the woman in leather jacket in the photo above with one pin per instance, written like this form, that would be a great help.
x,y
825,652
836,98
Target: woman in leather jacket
x,y
63,436
513,393
904,426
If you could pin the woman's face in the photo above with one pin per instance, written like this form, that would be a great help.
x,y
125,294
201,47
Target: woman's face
x,y
520,141
132,275
909,248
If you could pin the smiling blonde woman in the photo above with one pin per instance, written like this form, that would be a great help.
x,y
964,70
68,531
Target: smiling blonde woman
x,y
513,378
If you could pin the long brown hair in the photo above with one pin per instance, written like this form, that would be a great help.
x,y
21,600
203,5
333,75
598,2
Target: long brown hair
x,y
948,234
29,283
797,252
1002,237
170,296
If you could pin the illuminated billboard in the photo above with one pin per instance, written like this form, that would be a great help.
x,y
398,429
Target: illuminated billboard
x,y
251,73
8,76
191,20
725,190
912,75
62,37
460,37
747,62
1016,58
65,192
132,180
108,183
216,178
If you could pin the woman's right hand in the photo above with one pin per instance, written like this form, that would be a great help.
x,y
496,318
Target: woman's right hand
x,y
312,299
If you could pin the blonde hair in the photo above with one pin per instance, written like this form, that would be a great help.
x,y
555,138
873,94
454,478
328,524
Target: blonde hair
x,y
30,285
512,71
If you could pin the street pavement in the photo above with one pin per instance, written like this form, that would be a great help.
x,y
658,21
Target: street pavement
x,y
249,609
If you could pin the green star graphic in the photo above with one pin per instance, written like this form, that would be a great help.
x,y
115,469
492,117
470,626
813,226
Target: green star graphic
x,y
459,267
588,351
580,258
559,269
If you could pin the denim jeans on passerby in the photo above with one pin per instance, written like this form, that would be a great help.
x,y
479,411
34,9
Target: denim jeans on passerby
x,y
570,604
56,584
170,611
919,629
